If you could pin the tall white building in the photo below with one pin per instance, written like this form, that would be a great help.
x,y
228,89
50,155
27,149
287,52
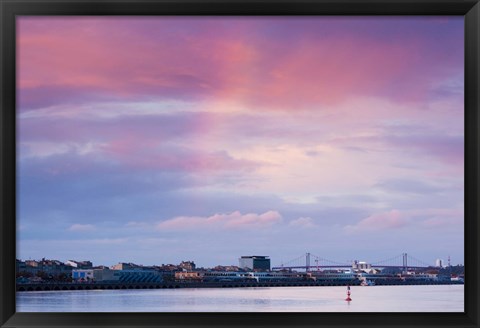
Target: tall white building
x,y
439,263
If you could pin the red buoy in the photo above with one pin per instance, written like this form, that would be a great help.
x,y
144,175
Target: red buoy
x,y
348,294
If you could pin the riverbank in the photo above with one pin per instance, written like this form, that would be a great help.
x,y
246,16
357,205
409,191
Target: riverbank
x,y
26,287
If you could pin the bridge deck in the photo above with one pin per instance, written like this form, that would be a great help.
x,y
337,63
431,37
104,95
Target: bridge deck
x,y
345,266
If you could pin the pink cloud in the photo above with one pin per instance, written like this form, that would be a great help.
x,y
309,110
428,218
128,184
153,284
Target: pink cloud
x,y
416,218
234,220
125,59
164,143
90,57
393,219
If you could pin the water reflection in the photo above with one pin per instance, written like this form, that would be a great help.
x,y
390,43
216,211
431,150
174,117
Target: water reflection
x,y
436,298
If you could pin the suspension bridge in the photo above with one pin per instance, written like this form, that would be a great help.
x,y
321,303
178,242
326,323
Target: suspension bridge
x,y
311,262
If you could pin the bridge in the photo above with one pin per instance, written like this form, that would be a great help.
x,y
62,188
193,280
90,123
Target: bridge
x,y
311,262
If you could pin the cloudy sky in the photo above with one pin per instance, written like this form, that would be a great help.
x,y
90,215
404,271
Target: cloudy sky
x,y
161,139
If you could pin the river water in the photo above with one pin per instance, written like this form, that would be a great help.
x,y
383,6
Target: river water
x,y
429,298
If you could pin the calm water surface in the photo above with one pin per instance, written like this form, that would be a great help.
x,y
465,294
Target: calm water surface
x,y
439,298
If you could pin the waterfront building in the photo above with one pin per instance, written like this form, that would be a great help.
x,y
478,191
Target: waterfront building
x,y
32,266
226,268
258,276
49,267
82,274
188,276
79,264
32,263
54,266
279,276
255,262
167,267
136,275
124,266
334,275
105,275
226,276
360,265
20,266
187,265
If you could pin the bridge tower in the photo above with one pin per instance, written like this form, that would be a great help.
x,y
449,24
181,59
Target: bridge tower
x,y
307,262
405,262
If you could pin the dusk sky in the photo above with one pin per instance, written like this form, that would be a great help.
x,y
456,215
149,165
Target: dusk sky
x,y
160,139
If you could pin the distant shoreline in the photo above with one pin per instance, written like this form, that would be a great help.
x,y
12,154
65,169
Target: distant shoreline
x,y
27,287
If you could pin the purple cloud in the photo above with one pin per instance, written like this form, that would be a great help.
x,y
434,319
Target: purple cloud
x,y
234,220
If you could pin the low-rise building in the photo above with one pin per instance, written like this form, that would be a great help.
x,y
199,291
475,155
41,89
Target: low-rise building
x,y
136,275
187,265
226,268
255,276
254,262
47,267
106,275
20,266
188,276
80,264
82,274
360,265
32,263
168,267
124,266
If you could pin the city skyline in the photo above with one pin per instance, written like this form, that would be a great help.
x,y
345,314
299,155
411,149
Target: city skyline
x,y
155,140
312,262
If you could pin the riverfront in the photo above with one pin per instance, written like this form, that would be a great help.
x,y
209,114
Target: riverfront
x,y
253,271
58,286
425,298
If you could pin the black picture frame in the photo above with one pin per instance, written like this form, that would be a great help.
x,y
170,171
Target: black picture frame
x,y
9,9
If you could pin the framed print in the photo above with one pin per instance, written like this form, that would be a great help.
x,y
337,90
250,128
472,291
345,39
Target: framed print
x,y
199,163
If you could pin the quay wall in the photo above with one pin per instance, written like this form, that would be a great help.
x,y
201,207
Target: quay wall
x,y
26,287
